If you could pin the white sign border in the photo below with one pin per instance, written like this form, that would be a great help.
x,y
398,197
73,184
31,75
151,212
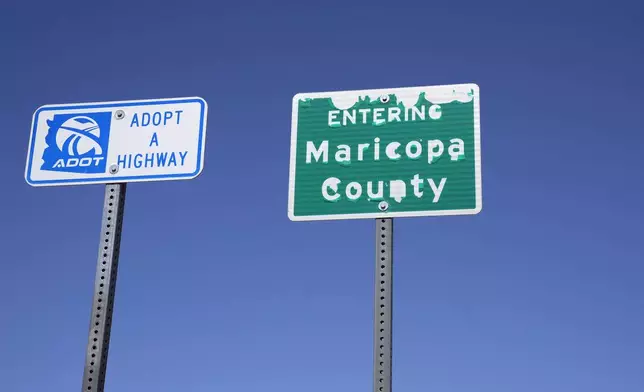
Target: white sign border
x,y
115,178
379,215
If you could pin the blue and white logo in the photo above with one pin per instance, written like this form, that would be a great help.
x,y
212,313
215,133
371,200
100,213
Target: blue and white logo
x,y
77,143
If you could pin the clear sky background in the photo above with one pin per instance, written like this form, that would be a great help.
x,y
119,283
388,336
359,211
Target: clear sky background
x,y
219,291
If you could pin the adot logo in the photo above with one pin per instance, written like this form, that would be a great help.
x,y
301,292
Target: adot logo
x,y
77,143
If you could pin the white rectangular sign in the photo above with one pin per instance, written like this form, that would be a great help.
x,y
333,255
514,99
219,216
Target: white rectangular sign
x,y
110,142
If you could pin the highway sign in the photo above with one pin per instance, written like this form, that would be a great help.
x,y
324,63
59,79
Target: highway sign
x,y
115,142
399,152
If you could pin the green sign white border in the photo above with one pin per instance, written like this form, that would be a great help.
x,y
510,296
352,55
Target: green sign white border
x,y
379,214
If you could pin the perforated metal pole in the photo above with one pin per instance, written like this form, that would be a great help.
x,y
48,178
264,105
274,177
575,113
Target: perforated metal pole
x,y
383,306
104,289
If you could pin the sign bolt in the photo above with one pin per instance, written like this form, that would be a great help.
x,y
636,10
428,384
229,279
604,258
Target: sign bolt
x,y
383,206
119,115
114,169
384,98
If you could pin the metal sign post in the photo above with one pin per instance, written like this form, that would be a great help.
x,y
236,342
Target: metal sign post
x,y
114,143
383,306
383,154
104,289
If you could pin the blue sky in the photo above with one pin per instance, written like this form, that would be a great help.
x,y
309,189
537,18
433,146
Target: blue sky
x,y
218,290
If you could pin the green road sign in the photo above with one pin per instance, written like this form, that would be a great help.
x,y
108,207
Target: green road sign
x,y
399,152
